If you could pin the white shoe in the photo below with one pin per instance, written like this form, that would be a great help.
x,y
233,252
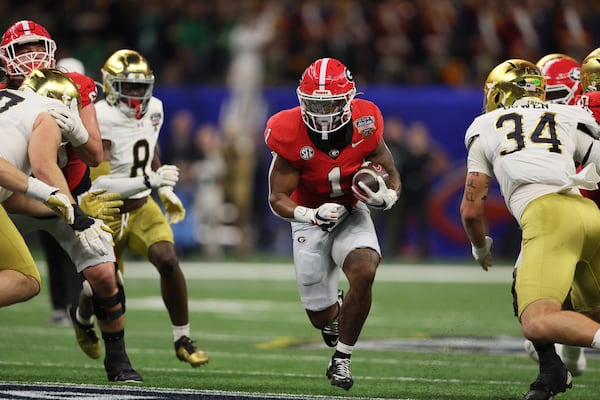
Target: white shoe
x,y
573,357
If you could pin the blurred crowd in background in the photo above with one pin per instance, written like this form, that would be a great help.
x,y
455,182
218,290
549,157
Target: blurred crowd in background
x,y
453,42
245,46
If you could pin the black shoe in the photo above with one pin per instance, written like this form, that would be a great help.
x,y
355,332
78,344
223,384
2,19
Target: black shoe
x,y
331,332
125,375
551,381
119,369
339,373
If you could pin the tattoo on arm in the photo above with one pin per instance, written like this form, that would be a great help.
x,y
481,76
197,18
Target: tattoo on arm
x,y
471,188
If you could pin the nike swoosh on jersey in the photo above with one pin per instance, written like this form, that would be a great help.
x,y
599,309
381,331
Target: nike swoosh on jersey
x,y
354,144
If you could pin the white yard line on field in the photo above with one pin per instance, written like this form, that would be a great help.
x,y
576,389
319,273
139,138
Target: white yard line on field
x,y
285,272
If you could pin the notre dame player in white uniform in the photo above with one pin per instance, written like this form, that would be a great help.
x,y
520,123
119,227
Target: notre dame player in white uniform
x,y
91,246
130,119
29,138
532,148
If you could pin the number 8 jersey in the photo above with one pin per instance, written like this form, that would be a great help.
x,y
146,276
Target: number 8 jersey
x,y
133,141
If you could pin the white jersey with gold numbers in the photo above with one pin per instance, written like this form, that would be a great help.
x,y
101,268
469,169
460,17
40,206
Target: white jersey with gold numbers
x,y
132,140
531,148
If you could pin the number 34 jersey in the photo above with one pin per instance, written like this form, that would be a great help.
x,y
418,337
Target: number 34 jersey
x,y
531,142
132,141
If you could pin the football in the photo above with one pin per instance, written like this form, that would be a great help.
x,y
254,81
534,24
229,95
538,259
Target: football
x,y
367,174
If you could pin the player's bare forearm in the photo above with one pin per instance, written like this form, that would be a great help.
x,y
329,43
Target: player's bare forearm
x,y
20,203
91,152
472,207
42,151
383,156
283,179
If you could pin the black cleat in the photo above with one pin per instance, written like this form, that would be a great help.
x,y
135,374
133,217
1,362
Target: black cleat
x,y
331,332
551,381
339,373
125,375
118,369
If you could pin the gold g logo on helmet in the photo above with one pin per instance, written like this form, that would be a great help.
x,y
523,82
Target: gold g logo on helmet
x,y
512,80
53,83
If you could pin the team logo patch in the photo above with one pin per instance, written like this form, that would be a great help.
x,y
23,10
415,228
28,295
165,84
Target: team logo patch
x,y
307,152
348,75
334,153
575,74
155,119
365,125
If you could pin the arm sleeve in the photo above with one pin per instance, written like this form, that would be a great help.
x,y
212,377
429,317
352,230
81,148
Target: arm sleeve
x,y
126,187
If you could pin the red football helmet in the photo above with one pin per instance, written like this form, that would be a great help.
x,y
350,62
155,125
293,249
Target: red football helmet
x,y
325,92
20,65
562,74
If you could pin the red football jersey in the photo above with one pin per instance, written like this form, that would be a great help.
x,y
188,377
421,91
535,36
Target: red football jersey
x,y
324,177
76,170
591,101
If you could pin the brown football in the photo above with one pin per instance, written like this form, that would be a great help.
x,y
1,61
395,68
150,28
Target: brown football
x,y
367,174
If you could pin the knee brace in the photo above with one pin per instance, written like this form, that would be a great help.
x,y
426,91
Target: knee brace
x,y
102,306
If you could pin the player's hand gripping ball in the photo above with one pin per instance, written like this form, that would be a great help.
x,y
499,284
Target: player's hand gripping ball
x,y
367,174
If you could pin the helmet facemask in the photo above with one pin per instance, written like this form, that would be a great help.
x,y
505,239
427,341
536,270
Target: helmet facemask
x,y
26,46
132,96
325,113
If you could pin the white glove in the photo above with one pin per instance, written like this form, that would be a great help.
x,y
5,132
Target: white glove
x,y
383,199
174,210
57,202
483,255
70,123
325,217
97,238
166,175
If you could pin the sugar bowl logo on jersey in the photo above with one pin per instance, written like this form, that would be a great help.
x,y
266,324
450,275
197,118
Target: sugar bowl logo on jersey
x,y
365,125
155,119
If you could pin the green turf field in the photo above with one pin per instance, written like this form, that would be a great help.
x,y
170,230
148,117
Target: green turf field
x,y
434,332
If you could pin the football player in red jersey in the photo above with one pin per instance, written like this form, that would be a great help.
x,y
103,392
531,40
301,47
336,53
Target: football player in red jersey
x,y
316,148
27,46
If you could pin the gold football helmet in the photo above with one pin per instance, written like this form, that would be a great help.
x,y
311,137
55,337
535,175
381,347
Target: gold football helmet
x,y
53,83
128,81
512,80
590,72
